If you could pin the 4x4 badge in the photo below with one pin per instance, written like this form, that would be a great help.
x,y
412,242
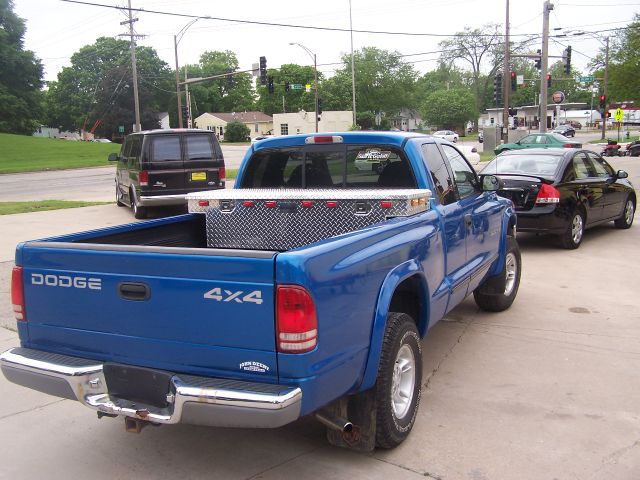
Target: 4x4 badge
x,y
239,296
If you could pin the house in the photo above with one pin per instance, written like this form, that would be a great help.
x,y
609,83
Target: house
x,y
407,120
305,122
258,122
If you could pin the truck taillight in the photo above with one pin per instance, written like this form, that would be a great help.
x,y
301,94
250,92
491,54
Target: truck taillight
x,y
548,194
323,139
222,173
17,294
296,322
143,177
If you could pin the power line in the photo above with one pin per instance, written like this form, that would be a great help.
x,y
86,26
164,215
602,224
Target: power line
x,y
288,25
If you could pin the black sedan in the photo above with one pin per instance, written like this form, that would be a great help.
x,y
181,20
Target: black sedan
x,y
566,130
563,191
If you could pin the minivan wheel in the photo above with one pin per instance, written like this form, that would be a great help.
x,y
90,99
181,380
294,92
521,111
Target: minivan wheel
x,y
138,211
119,197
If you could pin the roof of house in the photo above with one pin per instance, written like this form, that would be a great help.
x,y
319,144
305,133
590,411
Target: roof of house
x,y
244,117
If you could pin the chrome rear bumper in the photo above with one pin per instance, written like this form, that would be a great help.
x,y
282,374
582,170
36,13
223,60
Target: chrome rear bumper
x,y
191,399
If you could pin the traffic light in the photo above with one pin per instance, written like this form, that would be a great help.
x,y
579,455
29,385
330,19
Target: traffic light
x,y
319,106
270,84
263,70
566,59
538,60
185,115
497,89
603,102
514,81
548,80
607,114
287,86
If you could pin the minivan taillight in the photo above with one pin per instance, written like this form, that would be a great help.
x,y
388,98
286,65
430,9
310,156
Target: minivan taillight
x,y
17,294
221,174
548,194
296,322
143,177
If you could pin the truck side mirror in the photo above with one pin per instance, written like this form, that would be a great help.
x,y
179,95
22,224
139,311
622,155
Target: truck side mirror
x,y
113,157
491,183
621,174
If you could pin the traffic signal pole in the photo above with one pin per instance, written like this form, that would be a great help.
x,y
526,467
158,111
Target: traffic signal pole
x,y
606,81
545,65
506,81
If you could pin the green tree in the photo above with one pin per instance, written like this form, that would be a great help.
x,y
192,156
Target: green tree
x,y
98,87
231,93
624,64
20,76
236,132
450,109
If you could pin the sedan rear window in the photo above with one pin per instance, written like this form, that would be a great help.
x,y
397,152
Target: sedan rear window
x,y
537,165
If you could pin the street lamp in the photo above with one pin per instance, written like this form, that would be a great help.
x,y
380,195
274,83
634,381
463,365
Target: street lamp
x,y
315,75
176,41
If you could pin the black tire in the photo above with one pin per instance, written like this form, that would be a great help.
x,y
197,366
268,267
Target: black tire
x,y
497,293
398,390
119,197
138,211
573,235
626,219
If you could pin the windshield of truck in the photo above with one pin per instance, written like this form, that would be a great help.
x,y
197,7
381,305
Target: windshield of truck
x,y
329,166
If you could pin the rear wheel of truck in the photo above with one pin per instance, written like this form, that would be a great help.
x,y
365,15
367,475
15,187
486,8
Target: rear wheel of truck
x,y
498,293
399,381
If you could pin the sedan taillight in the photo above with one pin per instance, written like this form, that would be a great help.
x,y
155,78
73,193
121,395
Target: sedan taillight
x,y
548,194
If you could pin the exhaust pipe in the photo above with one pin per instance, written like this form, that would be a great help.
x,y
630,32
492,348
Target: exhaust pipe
x,y
336,423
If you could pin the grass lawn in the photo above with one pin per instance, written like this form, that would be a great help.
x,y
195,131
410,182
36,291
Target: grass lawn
x,y
9,208
21,153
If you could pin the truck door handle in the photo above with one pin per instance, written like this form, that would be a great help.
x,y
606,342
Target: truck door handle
x,y
134,291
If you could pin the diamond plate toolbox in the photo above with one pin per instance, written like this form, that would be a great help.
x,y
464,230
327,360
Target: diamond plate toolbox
x,y
282,219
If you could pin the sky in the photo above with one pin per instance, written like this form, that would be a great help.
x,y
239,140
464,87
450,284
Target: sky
x,y
56,29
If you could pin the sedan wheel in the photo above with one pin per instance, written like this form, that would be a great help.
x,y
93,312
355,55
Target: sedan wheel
x,y
572,237
626,220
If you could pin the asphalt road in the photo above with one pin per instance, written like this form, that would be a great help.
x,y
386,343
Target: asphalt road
x,y
545,390
85,184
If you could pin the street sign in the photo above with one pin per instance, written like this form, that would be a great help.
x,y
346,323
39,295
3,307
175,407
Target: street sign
x,y
121,129
307,88
587,79
619,115
296,86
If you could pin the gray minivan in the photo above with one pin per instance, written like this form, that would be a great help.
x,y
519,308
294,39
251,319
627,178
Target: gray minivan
x,y
159,167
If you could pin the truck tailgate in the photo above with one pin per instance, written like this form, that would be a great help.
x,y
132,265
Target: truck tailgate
x,y
208,312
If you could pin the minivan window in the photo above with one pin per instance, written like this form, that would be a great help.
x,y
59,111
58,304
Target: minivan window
x,y
198,147
165,148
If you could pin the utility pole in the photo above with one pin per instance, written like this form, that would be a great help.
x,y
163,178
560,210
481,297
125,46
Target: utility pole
x,y
134,67
178,94
506,81
545,65
353,70
606,97
187,98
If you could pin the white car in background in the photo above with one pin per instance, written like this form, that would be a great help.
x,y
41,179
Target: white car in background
x,y
470,153
446,135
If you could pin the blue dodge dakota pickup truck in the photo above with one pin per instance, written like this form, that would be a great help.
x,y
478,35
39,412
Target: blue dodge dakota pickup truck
x,y
305,290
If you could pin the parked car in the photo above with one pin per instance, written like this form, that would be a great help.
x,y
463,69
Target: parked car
x,y
446,135
566,130
563,191
159,167
575,124
470,153
539,140
480,137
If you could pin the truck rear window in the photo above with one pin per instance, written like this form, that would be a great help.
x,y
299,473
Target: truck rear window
x,y
329,166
